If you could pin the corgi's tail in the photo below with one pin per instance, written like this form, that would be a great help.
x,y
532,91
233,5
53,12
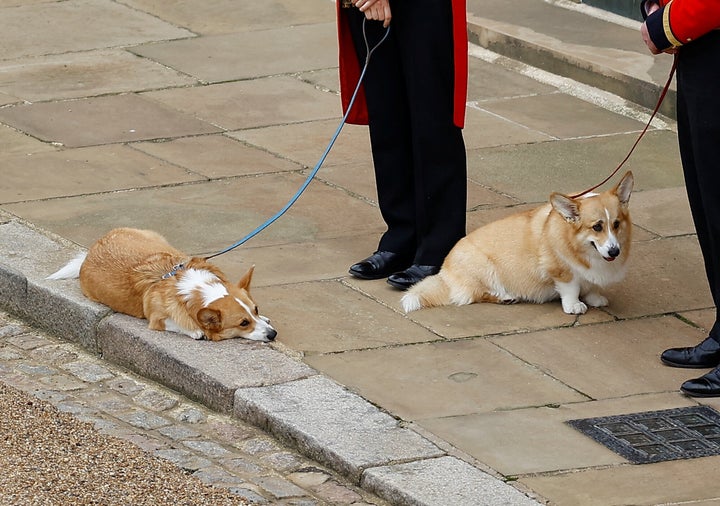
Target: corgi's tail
x,y
71,269
431,291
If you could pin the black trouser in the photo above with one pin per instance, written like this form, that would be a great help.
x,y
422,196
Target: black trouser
x,y
698,110
418,153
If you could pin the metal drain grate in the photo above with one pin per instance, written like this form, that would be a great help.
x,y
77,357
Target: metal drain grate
x,y
656,436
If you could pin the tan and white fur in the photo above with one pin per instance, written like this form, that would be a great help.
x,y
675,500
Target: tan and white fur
x,y
568,249
137,272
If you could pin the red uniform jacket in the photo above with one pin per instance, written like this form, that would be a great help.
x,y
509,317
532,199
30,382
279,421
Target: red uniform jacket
x,y
350,67
679,22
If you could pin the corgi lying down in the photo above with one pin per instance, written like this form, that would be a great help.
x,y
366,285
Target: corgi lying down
x,y
568,248
137,272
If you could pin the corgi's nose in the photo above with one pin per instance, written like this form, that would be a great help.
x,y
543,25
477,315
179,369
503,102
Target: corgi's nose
x,y
614,252
272,333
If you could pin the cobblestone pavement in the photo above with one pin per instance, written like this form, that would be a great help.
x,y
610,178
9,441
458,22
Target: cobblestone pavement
x,y
217,449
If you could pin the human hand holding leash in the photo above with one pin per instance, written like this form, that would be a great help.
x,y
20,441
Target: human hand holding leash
x,y
646,35
376,10
652,7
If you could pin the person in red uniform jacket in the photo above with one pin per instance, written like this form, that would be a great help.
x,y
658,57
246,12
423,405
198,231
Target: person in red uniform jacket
x,y
413,100
690,30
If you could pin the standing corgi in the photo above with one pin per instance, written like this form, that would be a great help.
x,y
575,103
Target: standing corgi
x,y
568,248
137,272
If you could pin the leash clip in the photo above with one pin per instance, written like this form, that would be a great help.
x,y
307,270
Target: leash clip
x,y
174,271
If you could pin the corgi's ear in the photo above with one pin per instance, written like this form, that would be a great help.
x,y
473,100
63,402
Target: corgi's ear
x,y
244,282
210,319
624,188
566,206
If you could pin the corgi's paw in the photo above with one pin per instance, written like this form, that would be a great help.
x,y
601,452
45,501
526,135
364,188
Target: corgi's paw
x,y
411,302
594,299
574,307
198,335
171,326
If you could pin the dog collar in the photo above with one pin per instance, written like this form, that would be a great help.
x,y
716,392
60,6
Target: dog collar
x,y
174,271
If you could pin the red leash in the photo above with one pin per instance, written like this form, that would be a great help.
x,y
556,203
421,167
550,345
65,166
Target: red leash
x,y
652,116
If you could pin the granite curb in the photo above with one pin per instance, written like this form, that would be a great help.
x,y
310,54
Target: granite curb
x,y
251,381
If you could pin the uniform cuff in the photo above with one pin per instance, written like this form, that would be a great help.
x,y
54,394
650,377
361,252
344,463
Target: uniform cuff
x,y
659,29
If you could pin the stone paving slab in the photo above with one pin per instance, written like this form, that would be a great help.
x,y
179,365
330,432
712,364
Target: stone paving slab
x,y
560,116
216,156
498,131
535,440
458,377
515,84
91,170
243,207
113,24
6,99
664,212
287,264
15,142
202,206
702,318
83,74
85,121
223,16
663,277
363,324
572,165
630,347
252,103
641,485
221,58
305,142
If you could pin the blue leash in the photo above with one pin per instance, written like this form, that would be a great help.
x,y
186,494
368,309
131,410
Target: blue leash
x,y
322,158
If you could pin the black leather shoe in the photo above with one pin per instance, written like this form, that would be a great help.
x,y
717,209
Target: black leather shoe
x,y
413,274
705,354
704,386
379,265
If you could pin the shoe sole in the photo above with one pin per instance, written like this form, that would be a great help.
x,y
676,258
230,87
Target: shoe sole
x,y
697,394
687,366
399,286
365,276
